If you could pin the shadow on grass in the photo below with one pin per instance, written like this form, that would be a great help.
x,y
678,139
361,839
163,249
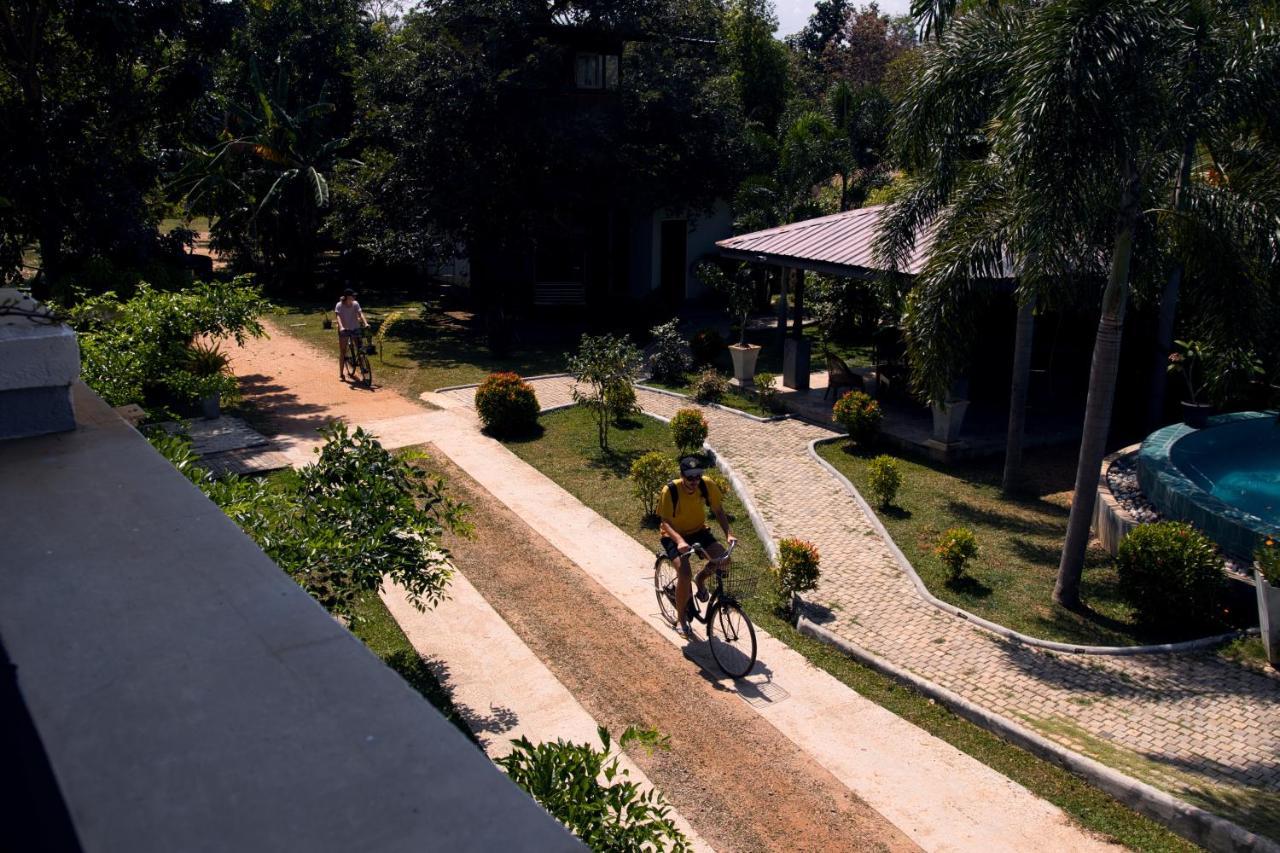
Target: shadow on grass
x,y
1004,521
895,512
969,586
525,437
615,462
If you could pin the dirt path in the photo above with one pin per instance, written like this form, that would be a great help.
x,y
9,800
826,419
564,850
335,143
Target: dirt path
x,y
739,781
297,391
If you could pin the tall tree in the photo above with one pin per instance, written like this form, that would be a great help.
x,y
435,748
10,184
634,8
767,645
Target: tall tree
x,y
92,98
1087,128
470,138
757,62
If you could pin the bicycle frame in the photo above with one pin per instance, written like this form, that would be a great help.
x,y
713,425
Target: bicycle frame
x,y
718,595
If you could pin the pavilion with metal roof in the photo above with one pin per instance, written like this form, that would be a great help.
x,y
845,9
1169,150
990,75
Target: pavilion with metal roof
x,y
840,244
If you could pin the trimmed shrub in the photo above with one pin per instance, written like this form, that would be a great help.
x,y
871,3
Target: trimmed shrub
x,y
885,478
670,360
710,386
767,391
622,402
1171,574
797,568
859,415
706,346
688,431
957,547
507,404
648,475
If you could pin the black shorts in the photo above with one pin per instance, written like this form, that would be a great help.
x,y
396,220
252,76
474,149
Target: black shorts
x,y
349,333
703,537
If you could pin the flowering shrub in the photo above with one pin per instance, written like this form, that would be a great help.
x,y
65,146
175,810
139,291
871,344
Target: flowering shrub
x,y
710,386
688,431
705,346
649,474
957,546
797,567
1172,575
1267,557
670,357
859,415
885,479
506,404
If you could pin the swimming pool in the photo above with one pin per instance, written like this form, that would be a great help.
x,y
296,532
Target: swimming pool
x,y
1224,478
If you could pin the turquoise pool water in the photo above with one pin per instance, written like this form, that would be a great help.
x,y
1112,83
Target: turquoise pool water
x,y
1238,463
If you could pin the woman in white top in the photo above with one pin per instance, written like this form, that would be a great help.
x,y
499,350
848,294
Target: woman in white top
x,y
350,322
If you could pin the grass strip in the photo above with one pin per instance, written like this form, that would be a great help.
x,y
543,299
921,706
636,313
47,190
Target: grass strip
x,y
567,453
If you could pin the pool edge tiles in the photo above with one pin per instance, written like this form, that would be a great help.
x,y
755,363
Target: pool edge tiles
x,y
1175,495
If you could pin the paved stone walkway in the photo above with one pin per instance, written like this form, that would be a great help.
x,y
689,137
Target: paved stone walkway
x,y
1193,724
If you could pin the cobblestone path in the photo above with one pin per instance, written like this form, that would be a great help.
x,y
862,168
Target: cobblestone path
x,y
1192,724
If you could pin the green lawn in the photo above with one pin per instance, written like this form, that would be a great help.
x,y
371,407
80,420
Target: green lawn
x,y
1020,540
735,399
566,452
424,351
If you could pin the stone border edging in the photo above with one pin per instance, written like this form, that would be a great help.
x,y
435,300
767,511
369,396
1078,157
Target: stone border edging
x,y
477,384
1189,821
730,409
993,627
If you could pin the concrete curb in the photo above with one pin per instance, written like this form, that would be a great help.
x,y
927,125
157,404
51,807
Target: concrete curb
x,y
477,384
1189,821
729,409
1007,633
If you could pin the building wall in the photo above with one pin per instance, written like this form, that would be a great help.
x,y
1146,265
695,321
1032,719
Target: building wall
x,y
705,228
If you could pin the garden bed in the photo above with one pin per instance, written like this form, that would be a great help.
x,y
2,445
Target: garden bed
x,y
1020,539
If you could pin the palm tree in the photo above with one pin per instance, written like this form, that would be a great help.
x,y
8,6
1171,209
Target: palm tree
x,y
1081,129
266,180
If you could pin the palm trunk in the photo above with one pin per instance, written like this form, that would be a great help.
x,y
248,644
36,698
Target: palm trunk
x,y
1097,413
1022,342
1169,303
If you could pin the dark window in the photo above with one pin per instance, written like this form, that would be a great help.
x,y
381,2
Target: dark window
x,y
588,73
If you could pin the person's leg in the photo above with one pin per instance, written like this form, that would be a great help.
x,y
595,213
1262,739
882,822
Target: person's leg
x,y
342,354
683,590
714,551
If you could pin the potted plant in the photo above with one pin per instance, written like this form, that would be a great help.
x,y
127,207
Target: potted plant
x,y
1190,361
740,291
209,378
1266,579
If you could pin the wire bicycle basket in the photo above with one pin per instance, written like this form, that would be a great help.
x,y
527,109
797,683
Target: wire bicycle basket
x,y
738,583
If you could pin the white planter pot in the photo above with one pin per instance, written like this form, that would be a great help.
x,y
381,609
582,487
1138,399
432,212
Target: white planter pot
x,y
744,362
948,418
1268,616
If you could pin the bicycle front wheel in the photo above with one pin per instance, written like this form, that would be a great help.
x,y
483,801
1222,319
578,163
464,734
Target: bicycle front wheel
x,y
366,370
733,640
664,587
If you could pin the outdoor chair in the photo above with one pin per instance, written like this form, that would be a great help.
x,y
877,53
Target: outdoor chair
x,y
839,375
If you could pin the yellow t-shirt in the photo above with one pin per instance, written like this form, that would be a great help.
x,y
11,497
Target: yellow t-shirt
x,y
690,513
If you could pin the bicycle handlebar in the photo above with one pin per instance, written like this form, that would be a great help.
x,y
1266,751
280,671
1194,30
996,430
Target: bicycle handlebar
x,y
703,552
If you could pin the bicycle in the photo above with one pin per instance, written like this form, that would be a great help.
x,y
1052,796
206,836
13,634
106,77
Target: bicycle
x,y
730,633
355,358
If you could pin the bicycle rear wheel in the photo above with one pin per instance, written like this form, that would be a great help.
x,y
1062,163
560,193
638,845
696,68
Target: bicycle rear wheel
x,y
366,370
664,587
733,639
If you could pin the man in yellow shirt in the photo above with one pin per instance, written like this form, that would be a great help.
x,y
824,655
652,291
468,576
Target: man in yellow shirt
x,y
683,510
